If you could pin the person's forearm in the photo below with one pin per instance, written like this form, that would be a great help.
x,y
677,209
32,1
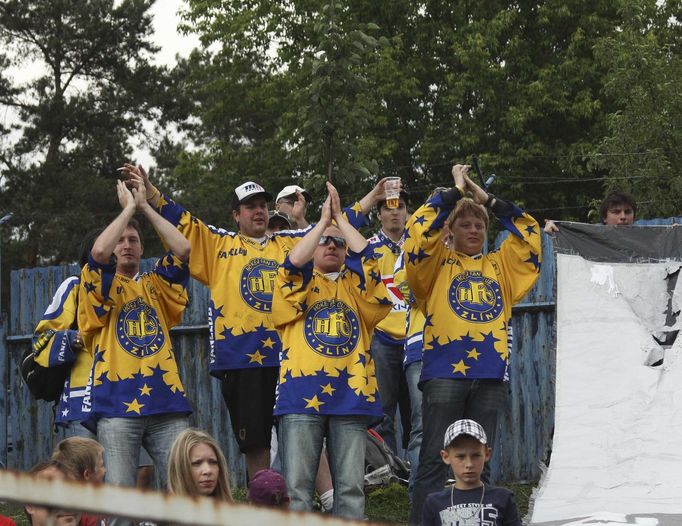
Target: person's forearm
x,y
303,250
169,235
106,242
354,239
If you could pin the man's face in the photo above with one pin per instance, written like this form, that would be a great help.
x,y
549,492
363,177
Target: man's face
x,y
40,515
128,252
621,214
466,456
286,204
467,235
328,257
393,219
252,217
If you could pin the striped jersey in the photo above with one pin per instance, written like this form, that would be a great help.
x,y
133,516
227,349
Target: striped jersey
x,y
391,330
414,322
467,300
53,345
326,328
127,322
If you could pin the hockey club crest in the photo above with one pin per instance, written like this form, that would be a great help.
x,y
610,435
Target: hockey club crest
x,y
258,282
332,328
474,297
138,331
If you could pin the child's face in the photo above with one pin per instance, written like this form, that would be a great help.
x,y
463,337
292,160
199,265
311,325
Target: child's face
x,y
466,456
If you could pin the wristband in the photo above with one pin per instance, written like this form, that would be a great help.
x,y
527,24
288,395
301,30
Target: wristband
x,y
154,194
461,190
490,200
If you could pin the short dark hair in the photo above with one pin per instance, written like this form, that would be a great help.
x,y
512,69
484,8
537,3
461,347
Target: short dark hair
x,y
616,198
134,223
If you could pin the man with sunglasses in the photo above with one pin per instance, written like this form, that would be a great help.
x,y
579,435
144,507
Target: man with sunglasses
x,y
327,299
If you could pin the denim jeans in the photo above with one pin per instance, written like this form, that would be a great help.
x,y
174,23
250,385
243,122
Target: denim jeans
x,y
300,446
443,402
388,360
74,429
412,374
122,439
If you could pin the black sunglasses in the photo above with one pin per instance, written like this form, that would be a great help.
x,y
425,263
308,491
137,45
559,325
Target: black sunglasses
x,y
339,242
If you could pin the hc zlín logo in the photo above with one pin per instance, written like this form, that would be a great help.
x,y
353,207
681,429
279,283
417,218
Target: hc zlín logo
x,y
258,283
331,328
474,297
138,330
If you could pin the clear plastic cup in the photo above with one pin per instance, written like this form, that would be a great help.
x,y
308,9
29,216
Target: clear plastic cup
x,y
392,189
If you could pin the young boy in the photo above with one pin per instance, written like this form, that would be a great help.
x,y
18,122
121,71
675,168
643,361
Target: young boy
x,y
469,501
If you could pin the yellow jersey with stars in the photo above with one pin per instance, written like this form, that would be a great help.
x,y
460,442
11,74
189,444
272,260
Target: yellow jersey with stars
x,y
467,300
326,326
53,346
391,330
127,322
240,273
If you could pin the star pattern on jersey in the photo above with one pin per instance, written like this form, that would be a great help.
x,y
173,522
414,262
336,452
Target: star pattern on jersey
x,y
89,286
328,389
313,403
134,406
534,260
460,367
530,230
256,357
145,390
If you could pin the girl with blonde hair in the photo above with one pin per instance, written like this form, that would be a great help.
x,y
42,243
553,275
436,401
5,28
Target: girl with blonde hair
x,y
197,466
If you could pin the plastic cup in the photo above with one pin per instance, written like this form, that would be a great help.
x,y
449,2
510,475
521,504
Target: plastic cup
x,y
392,189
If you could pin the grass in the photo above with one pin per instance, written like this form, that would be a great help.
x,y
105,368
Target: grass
x,y
387,505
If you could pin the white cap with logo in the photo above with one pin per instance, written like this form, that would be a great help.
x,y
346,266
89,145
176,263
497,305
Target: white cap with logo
x,y
291,190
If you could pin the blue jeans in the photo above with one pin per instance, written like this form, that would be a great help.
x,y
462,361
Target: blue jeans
x,y
388,360
74,429
300,446
412,374
122,439
443,402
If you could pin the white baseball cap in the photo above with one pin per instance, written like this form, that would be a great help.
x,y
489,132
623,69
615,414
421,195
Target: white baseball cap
x,y
246,191
291,190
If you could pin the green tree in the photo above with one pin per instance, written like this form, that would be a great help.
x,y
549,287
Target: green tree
x,y
644,73
93,85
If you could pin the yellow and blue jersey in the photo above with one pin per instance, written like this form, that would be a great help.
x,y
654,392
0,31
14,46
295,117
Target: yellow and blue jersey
x,y
240,274
53,345
326,328
467,300
391,330
414,320
127,322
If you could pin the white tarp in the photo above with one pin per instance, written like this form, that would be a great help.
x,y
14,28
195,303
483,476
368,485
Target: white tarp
x,y
617,447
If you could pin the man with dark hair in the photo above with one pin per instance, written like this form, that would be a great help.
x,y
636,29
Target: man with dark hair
x,y
134,397
618,208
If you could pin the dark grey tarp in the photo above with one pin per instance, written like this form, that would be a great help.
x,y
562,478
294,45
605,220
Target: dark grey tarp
x,y
619,244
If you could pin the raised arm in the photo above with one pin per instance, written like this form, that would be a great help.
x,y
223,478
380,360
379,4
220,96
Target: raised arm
x,y
303,251
171,237
354,239
376,194
106,242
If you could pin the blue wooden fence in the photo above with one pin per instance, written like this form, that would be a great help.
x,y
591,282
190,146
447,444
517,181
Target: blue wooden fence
x,y
26,435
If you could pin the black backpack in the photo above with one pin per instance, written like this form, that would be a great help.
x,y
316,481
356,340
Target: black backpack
x,y
45,383
382,465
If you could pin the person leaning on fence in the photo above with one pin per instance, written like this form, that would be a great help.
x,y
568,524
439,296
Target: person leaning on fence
x,y
136,397
239,269
197,467
617,209
326,304
58,343
467,300
469,500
